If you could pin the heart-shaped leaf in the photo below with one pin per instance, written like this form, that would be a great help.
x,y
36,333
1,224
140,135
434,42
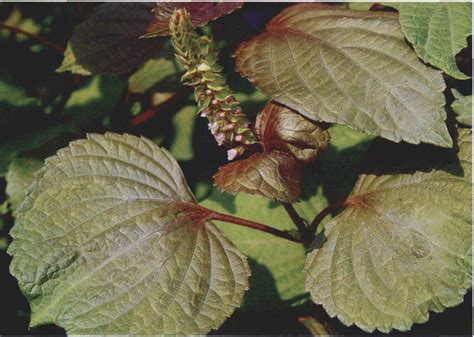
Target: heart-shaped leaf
x,y
275,175
110,240
438,31
400,249
108,41
348,67
201,13
281,128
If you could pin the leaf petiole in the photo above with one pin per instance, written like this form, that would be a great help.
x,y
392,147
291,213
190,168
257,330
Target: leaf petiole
x,y
251,224
36,37
326,211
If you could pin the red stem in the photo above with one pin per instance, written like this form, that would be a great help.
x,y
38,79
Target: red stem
x,y
36,37
255,225
325,212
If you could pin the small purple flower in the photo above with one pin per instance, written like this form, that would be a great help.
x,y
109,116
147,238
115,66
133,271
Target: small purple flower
x,y
214,101
231,154
222,114
239,138
220,137
208,91
205,112
229,127
213,127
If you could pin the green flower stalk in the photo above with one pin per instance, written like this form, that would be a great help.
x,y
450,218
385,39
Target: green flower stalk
x,y
227,122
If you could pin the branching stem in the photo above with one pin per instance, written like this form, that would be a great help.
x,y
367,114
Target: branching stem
x,y
299,222
251,224
36,37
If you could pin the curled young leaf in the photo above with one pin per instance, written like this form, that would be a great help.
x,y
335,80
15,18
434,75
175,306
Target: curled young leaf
x,y
110,240
348,67
201,13
281,128
401,248
274,175
108,41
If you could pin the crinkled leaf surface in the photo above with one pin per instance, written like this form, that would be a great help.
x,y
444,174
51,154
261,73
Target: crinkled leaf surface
x,y
274,175
201,13
348,67
277,280
462,106
108,41
21,174
401,249
281,128
110,240
438,31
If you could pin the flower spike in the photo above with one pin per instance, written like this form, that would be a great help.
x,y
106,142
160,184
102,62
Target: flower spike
x,y
227,122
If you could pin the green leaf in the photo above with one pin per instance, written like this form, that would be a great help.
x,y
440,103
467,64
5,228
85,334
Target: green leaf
x,y
110,241
348,67
361,6
12,148
71,63
400,249
15,96
18,20
85,106
108,41
276,281
438,31
183,122
21,174
151,73
462,106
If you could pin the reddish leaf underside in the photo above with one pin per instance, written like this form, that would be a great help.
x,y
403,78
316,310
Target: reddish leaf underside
x,y
201,13
108,41
281,128
274,175
288,140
